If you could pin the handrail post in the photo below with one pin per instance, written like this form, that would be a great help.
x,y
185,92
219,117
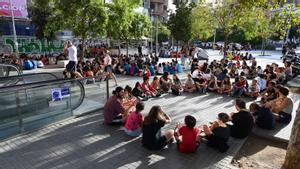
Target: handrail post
x,y
21,129
1,72
107,88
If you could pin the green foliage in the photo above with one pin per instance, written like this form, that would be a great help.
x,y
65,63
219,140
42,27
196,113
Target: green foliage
x,y
180,23
163,32
140,26
244,20
286,19
40,12
84,17
121,17
203,24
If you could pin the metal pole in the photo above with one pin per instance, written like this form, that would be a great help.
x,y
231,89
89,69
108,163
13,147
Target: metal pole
x,y
14,28
107,87
156,38
151,39
215,37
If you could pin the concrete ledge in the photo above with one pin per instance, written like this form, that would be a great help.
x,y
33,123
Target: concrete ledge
x,y
62,63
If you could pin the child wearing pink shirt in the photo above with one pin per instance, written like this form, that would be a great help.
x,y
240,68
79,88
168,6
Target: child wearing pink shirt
x,y
134,121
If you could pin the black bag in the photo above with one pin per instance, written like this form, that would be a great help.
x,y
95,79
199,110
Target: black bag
x,y
175,92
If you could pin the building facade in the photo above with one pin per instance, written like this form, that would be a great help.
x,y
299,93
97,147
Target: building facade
x,y
159,8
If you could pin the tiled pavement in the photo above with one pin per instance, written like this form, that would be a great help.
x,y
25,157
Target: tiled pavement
x,y
85,142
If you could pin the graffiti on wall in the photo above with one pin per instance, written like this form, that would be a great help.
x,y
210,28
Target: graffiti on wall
x,y
32,45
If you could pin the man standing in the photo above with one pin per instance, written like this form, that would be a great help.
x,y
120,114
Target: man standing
x,y
140,50
71,50
109,68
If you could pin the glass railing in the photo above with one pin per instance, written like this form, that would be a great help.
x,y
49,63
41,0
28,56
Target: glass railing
x,y
28,106
26,78
9,70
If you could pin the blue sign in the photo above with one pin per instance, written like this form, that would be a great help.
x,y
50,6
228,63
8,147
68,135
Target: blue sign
x,y
65,92
60,93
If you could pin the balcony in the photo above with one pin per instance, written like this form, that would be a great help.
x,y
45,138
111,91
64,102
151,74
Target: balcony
x,y
158,1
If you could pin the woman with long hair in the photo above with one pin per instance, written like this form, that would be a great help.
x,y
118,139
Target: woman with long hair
x,y
176,85
154,121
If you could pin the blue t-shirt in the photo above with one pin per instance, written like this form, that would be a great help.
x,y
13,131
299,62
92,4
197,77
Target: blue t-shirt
x,y
28,65
127,69
166,68
179,68
171,70
221,76
151,68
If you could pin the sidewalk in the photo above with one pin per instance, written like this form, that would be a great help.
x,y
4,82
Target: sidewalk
x,y
85,143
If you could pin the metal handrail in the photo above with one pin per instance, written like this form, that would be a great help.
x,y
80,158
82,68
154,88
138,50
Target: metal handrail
x,y
13,80
26,86
12,66
29,74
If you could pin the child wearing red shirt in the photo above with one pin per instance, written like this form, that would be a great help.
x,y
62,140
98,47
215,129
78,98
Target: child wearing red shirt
x,y
187,136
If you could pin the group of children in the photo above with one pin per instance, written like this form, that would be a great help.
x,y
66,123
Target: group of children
x,y
124,109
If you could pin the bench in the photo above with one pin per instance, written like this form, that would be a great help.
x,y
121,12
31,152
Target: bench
x,y
296,70
62,63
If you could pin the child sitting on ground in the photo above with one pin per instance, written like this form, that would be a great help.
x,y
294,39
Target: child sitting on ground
x,y
138,92
253,90
218,133
263,116
148,89
135,120
187,136
153,138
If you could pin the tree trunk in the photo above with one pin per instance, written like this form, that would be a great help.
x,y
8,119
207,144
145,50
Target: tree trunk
x,y
119,49
177,50
225,44
48,46
292,158
263,47
127,48
83,47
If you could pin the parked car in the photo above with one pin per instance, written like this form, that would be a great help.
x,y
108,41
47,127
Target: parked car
x,y
201,54
235,46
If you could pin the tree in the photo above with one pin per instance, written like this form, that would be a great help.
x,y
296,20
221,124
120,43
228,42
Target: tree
x,y
228,16
86,18
286,18
180,23
203,25
260,24
140,26
292,158
121,15
163,32
40,12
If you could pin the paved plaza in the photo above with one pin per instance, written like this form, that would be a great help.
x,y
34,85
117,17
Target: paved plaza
x,y
84,142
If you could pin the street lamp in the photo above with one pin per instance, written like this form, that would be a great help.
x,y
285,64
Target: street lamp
x,y
14,28
151,40
156,37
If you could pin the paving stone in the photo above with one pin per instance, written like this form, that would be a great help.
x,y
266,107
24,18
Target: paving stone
x,y
84,142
